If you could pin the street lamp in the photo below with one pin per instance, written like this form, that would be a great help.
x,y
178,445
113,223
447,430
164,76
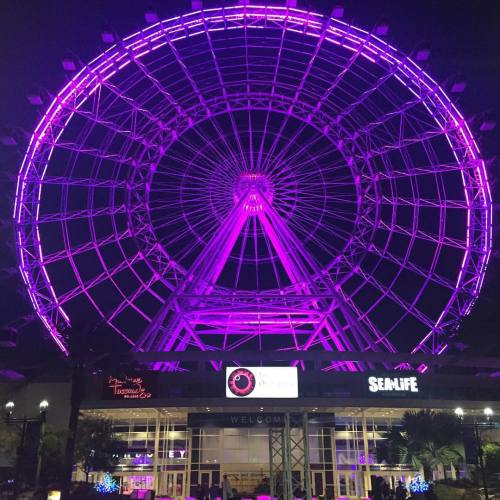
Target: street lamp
x,y
43,405
9,409
24,421
488,413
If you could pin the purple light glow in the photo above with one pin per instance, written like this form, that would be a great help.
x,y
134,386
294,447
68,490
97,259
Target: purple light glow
x,y
316,191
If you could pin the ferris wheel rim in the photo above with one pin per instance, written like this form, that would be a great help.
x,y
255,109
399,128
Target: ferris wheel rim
x,y
90,77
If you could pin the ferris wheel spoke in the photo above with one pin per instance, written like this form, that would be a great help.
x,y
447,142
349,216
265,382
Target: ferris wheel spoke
x,y
222,152
242,155
295,99
173,218
324,217
274,257
201,99
191,249
320,155
242,251
177,159
254,165
176,207
306,220
193,153
288,144
273,93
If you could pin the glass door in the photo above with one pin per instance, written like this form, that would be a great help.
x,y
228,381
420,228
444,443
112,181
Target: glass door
x,y
318,484
175,484
349,484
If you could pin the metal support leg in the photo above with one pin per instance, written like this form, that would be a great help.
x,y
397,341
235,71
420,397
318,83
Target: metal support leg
x,y
287,469
277,463
307,466
289,453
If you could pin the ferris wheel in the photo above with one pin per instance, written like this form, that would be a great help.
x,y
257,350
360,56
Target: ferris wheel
x,y
254,178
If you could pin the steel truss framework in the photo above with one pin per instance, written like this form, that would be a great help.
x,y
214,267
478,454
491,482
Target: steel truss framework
x,y
255,178
289,452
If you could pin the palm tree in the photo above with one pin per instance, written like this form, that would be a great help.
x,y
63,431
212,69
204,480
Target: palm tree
x,y
425,440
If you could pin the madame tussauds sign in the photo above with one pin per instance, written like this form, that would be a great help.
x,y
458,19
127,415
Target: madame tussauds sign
x,y
132,386
393,384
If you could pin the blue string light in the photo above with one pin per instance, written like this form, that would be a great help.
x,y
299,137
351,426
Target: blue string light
x,y
418,485
107,485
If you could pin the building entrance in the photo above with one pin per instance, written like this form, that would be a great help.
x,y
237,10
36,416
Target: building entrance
x,y
321,454
262,454
318,484
172,483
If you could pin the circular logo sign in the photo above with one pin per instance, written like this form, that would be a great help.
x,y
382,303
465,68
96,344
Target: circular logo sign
x,y
241,382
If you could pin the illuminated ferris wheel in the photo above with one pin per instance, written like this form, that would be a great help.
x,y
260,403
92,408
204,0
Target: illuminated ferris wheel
x,y
254,178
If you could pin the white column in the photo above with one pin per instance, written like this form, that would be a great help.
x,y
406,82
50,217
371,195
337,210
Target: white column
x,y
155,453
367,478
187,467
336,491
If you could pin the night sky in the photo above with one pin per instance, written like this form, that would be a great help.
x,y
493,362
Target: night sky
x,y
464,38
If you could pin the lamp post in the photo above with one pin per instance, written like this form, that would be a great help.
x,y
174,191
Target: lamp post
x,y
488,413
43,406
24,421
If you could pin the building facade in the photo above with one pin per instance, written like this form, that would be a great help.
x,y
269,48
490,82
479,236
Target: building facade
x,y
183,433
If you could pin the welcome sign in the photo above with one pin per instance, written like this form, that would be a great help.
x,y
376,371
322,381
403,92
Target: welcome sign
x,y
259,419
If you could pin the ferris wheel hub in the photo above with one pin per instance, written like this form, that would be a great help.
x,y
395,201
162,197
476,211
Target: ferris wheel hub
x,y
256,188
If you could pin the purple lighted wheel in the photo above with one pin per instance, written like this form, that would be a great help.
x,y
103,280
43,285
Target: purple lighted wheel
x,y
254,178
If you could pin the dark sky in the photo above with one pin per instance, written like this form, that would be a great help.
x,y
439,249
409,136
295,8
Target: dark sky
x,y
464,38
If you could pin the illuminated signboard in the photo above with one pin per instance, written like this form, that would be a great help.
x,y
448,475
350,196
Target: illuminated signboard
x,y
147,458
262,382
134,386
393,384
259,419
